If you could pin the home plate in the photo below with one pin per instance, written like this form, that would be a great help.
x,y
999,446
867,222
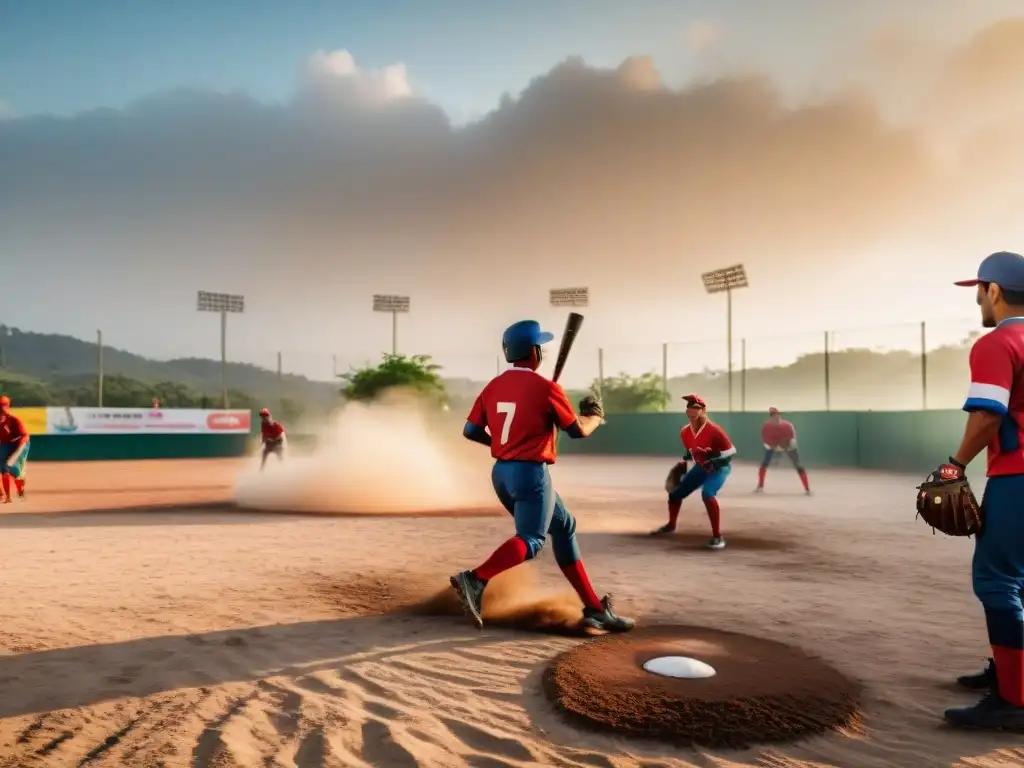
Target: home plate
x,y
679,666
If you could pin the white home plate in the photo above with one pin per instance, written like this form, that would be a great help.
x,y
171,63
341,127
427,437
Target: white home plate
x,y
679,666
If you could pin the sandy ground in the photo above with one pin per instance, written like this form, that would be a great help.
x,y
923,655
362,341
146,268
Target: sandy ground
x,y
136,634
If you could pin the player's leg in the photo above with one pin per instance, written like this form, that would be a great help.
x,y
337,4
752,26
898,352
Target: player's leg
x,y
709,494
265,451
763,469
691,481
524,488
597,612
17,471
5,473
794,456
997,572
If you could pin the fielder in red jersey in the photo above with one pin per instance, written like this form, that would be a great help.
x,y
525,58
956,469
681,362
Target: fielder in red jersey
x,y
779,436
272,437
712,452
14,448
516,416
995,404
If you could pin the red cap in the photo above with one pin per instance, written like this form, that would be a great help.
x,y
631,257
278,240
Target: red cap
x,y
264,412
694,401
773,411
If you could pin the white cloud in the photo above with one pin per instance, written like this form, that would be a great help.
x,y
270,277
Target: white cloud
x,y
701,36
336,73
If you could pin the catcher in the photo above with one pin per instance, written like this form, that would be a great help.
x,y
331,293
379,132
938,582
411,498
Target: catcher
x,y
711,451
995,402
272,438
516,416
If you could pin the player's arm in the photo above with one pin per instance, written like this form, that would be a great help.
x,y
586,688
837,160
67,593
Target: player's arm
x,y
767,436
476,423
576,427
722,450
789,436
687,453
22,439
988,397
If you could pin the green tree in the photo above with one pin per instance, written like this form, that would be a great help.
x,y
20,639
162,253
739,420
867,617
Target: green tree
x,y
415,372
628,394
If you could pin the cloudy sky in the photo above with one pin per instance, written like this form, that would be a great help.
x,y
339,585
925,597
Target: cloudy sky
x,y
857,156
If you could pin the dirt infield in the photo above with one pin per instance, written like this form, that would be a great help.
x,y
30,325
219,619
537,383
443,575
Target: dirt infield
x,y
763,691
145,620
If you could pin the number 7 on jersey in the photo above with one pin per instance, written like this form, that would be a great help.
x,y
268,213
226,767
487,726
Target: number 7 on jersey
x,y
509,411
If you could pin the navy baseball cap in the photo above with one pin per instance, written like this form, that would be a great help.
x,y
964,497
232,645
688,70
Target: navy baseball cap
x,y
1005,269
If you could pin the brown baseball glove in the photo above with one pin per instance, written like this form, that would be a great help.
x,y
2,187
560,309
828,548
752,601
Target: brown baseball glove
x,y
949,506
675,475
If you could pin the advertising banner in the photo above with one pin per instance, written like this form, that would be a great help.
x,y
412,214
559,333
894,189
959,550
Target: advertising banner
x,y
34,419
92,421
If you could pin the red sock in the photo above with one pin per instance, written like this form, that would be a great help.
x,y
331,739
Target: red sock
x,y
6,484
803,479
577,576
760,476
673,511
714,515
508,555
1010,673
19,485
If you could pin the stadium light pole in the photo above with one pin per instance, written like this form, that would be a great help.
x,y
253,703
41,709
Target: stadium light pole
x,y
576,297
395,305
222,303
726,281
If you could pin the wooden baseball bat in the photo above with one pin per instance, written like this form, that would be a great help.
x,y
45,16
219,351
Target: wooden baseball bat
x,y
572,328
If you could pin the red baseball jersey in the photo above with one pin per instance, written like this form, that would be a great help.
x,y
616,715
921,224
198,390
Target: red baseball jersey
x,y
997,386
12,431
521,409
272,430
778,435
709,439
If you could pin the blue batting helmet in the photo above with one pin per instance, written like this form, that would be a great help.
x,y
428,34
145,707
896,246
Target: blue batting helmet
x,y
520,338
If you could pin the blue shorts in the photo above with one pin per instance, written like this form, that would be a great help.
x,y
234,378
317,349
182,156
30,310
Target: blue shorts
x,y
17,469
524,488
708,483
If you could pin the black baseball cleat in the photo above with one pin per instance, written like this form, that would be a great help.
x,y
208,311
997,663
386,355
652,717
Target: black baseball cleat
x,y
606,618
470,589
667,528
980,680
992,713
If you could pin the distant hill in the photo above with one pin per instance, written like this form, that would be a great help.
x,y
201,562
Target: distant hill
x,y
67,361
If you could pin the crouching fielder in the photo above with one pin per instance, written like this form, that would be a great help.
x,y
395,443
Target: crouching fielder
x,y
14,445
272,437
712,451
779,435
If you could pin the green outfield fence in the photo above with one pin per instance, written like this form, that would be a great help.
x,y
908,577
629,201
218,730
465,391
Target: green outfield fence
x,y
911,441
905,441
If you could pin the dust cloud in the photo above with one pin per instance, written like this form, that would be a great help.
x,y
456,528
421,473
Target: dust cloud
x,y
513,600
395,456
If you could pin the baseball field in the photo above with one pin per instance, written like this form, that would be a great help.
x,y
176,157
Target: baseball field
x,y
147,621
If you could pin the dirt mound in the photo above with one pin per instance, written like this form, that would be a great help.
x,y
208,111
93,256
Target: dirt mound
x,y
513,600
763,691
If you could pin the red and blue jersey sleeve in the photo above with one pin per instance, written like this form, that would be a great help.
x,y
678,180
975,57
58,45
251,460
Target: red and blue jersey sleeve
x,y
993,368
719,443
